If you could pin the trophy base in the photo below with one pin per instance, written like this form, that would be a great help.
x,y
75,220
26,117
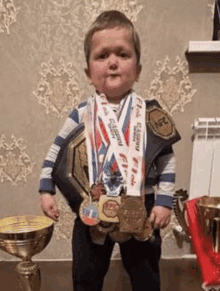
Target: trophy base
x,y
28,274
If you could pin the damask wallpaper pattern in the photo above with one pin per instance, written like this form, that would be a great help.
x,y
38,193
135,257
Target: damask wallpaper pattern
x,y
42,79
15,164
172,86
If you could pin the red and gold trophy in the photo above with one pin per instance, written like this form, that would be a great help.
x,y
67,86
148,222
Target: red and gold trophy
x,y
200,218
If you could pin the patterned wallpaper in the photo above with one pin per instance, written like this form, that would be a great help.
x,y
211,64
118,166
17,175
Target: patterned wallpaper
x,y
42,79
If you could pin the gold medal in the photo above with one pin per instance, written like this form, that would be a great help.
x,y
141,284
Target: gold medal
x,y
108,208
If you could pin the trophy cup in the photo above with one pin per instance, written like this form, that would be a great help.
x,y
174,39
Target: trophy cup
x,y
200,217
209,216
23,237
208,209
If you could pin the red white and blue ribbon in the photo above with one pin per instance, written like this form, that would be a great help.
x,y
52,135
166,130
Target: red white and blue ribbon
x,y
119,142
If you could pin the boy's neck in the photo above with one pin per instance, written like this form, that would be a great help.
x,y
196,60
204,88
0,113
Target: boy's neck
x,y
115,100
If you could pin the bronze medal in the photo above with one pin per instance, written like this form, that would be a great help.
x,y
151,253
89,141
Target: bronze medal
x,y
108,208
88,212
147,232
132,214
97,190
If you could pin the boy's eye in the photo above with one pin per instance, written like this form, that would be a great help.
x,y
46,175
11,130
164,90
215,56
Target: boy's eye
x,y
102,56
123,55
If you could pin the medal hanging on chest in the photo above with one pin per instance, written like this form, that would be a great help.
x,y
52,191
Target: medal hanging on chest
x,y
115,153
88,212
101,156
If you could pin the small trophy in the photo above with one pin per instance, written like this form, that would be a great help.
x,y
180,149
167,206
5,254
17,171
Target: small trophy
x,y
23,237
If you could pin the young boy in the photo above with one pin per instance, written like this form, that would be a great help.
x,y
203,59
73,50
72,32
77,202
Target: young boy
x,y
129,169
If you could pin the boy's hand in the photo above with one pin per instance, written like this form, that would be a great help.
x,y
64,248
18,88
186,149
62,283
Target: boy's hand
x,y
49,206
160,217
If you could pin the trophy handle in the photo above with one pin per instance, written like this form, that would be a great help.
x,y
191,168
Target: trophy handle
x,y
179,209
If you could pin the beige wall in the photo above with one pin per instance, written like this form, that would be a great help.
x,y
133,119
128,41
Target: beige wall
x,y
42,78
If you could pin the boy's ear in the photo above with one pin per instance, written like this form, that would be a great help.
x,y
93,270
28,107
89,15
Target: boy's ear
x,y
139,68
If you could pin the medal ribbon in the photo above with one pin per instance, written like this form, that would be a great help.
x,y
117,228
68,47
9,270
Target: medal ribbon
x,y
136,148
89,120
97,138
116,138
129,158
124,124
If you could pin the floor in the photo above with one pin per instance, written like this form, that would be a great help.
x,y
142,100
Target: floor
x,y
176,275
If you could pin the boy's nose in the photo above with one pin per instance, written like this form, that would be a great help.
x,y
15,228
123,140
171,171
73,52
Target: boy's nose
x,y
113,61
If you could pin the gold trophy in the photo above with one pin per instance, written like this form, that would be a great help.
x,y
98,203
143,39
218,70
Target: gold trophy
x,y
208,212
209,215
23,237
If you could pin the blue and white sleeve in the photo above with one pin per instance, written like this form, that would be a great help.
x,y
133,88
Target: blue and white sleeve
x,y
46,181
166,171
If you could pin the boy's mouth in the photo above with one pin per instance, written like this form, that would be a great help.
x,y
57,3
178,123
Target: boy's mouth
x,y
113,75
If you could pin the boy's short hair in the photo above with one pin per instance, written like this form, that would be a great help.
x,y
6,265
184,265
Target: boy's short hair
x,y
111,19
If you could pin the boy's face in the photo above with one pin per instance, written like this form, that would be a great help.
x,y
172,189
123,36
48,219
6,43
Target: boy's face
x,y
113,65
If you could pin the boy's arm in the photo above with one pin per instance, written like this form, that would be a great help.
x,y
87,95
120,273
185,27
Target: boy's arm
x,y
166,165
47,186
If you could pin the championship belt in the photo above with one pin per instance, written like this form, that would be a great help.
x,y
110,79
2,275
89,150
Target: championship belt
x,y
70,172
160,123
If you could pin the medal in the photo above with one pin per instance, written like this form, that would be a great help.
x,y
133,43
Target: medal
x,y
108,135
88,212
108,208
97,190
132,214
113,182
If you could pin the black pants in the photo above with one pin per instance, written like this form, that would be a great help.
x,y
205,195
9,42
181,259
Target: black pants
x,y
91,261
